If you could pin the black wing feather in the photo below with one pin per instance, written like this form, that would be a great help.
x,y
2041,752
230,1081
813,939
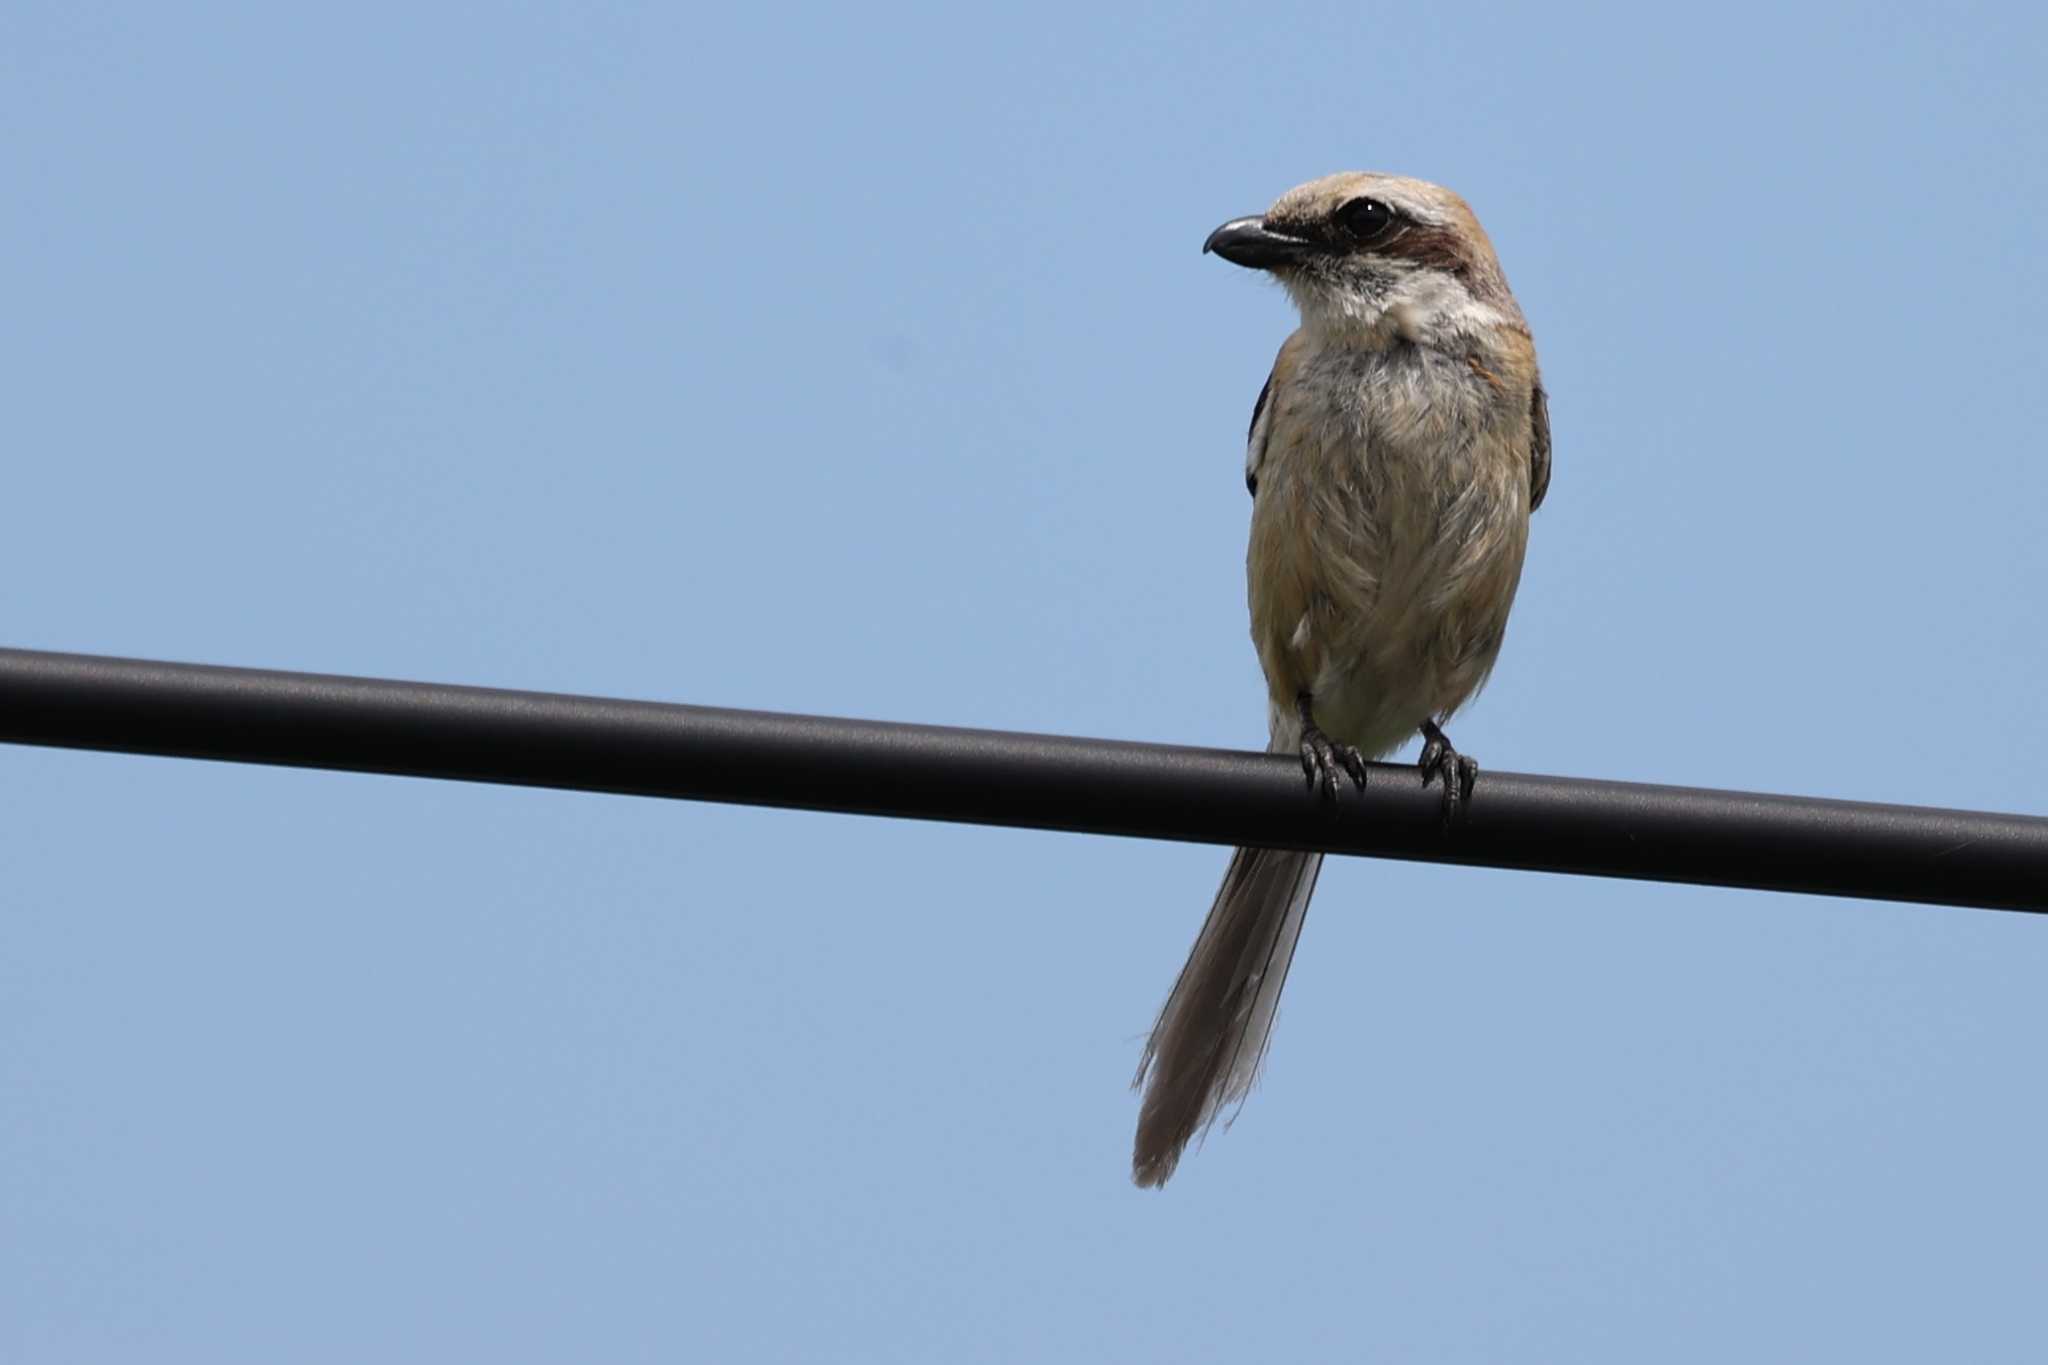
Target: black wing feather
x,y
1251,476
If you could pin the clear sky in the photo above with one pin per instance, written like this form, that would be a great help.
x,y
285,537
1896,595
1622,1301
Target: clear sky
x,y
861,360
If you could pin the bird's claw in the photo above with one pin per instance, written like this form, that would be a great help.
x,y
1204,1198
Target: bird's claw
x,y
1322,758
1443,763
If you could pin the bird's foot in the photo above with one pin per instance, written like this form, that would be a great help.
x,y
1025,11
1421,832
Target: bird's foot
x,y
1322,758
1445,764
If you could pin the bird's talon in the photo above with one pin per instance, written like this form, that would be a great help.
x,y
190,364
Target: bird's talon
x,y
1322,758
1441,762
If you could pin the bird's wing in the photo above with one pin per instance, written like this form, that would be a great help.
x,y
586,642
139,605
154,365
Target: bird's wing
x,y
1284,366
1255,439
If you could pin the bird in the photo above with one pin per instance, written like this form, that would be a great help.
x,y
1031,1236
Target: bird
x,y
1395,454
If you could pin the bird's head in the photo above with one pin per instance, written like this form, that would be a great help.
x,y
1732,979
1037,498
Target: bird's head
x,y
1379,256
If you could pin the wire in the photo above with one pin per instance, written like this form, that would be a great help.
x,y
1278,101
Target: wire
x,y
638,748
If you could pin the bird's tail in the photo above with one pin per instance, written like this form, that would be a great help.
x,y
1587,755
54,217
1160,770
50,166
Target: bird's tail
x,y
1205,1050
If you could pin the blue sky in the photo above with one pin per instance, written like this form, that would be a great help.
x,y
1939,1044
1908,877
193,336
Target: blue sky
x,y
862,361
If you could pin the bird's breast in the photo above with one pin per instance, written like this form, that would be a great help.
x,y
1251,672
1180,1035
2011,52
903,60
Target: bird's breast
x,y
1388,530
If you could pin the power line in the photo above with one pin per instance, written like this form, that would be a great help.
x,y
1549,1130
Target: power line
x,y
638,748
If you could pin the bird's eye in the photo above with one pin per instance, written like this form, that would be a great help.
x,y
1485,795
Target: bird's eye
x,y
1363,220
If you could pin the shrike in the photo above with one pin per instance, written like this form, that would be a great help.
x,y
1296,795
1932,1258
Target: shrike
x,y
1395,455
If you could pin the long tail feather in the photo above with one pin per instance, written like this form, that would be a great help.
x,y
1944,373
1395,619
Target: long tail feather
x,y
1205,1050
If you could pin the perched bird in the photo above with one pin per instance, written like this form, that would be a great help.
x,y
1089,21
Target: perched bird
x,y
1395,455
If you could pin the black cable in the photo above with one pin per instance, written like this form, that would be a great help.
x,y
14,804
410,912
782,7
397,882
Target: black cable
x,y
1552,824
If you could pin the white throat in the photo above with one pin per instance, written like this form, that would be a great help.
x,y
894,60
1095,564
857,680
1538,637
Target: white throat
x,y
1423,307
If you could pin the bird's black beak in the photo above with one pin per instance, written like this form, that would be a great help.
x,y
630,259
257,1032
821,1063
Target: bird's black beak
x,y
1249,242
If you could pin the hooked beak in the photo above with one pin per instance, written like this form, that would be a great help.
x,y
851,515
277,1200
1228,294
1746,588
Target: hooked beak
x,y
1249,242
